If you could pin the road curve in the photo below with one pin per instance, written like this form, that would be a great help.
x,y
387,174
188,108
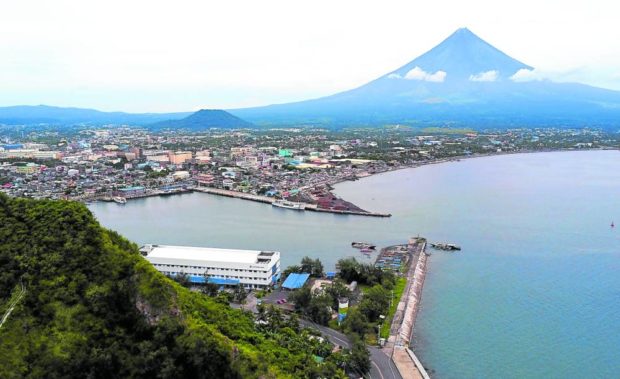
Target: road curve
x,y
381,366
13,304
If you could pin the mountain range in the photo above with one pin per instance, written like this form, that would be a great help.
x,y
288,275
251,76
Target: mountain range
x,y
463,81
45,114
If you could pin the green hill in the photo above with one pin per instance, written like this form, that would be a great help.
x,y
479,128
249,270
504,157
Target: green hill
x,y
95,308
204,119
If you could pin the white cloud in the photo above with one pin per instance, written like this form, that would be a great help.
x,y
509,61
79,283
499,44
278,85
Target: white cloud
x,y
525,75
418,74
394,76
487,76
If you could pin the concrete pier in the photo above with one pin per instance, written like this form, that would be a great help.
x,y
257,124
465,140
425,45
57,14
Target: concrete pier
x,y
401,330
270,200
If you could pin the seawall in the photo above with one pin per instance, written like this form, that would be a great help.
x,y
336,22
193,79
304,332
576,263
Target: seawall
x,y
401,330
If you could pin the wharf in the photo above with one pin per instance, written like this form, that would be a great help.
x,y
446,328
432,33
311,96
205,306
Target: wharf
x,y
139,196
401,330
270,200
235,194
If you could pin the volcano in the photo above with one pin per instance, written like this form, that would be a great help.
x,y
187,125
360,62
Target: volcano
x,y
463,81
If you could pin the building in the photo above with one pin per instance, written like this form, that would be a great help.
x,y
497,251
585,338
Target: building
x,y
26,168
35,154
179,157
228,267
130,191
180,175
241,151
205,179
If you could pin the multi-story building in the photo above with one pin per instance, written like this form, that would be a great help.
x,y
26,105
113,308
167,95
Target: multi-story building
x,y
179,157
227,267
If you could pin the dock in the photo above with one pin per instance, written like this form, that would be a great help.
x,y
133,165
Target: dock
x,y
270,200
403,323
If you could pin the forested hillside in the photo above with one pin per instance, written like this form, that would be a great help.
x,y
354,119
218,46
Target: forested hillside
x,y
93,307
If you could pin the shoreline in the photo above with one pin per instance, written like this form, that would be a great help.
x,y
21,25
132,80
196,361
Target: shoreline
x,y
403,323
314,208
473,156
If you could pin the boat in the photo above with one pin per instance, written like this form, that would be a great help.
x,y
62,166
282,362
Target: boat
x,y
119,200
289,205
363,245
445,246
613,225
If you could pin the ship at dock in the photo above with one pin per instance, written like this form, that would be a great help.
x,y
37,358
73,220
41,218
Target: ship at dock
x,y
119,200
289,205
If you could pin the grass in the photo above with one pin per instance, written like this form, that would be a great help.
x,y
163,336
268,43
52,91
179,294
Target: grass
x,y
399,288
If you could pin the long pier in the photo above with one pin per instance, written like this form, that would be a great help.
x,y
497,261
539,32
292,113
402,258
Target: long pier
x,y
401,330
270,200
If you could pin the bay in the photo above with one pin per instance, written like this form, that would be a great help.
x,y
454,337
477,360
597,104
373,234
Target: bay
x,y
535,292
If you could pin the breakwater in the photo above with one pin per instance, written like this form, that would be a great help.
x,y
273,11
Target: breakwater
x,y
401,330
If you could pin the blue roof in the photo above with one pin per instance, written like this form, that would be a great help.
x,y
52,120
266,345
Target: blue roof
x,y
295,281
13,146
330,274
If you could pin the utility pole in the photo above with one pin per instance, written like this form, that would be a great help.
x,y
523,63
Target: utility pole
x,y
382,318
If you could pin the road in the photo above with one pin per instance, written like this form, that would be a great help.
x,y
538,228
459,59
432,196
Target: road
x,y
6,315
381,366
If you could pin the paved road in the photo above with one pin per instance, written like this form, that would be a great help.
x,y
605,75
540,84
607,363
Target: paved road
x,y
381,366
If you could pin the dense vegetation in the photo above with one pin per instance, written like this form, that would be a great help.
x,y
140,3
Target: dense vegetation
x,y
95,308
364,315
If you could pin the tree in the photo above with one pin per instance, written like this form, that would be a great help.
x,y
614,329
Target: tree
x,y
355,322
359,360
348,269
210,289
291,269
239,294
375,302
301,298
314,267
182,278
337,291
319,310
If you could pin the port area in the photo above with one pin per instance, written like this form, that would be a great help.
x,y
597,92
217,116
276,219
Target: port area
x,y
340,206
403,322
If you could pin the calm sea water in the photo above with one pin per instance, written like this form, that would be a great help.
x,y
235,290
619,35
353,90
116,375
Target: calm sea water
x,y
535,293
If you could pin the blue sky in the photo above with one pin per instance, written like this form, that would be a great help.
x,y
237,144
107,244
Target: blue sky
x,y
161,56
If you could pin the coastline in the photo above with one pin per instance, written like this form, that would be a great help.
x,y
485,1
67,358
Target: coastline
x,y
472,156
330,183
401,330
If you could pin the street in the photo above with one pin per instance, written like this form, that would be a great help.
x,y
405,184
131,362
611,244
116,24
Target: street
x,y
382,366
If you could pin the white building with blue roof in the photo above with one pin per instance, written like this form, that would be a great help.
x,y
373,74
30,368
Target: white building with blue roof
x,y
253,269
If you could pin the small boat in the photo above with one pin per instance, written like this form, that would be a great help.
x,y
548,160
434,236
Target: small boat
x,y
445,246
363,245
612,225
119,200
289,205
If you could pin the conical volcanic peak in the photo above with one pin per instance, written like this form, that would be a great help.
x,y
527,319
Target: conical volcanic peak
x,y
461,56
462,81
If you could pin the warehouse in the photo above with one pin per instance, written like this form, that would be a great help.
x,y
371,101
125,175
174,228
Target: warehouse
x,y
227,267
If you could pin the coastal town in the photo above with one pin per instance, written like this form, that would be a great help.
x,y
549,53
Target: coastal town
x,y
296,165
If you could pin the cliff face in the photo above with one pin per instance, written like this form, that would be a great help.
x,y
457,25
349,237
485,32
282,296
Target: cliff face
x,y
94,307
